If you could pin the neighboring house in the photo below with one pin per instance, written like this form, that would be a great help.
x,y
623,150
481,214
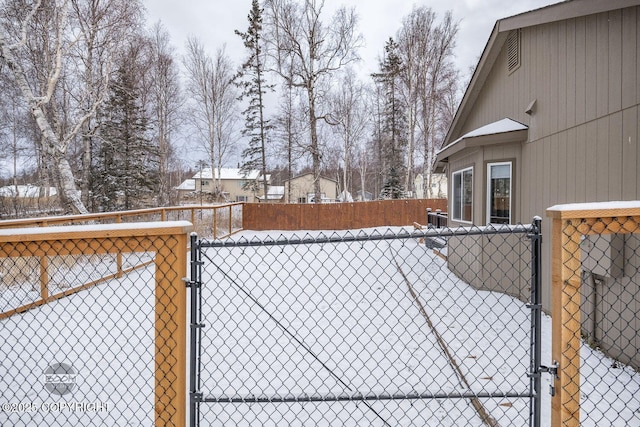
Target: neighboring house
x,y
300,189
234,185
550,117
436,190
186,189
364,197
27,191
275,194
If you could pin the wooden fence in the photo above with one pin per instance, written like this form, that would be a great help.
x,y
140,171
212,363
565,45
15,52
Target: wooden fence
x,y
571,226
168,242
338,216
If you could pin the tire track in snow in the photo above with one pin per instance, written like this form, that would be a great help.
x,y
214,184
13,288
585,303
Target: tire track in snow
x,y
475,402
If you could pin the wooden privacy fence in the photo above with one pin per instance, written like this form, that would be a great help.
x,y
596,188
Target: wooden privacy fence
x,y
338,216
165,243
601,240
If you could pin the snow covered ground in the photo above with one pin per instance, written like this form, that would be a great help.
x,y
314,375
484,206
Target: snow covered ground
x,y
333,319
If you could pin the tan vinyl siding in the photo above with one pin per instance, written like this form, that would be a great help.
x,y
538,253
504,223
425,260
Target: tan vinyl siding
x,y
629,84
630,153
583,132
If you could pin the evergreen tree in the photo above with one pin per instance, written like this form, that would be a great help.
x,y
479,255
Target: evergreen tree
x,y
126,167
394,127
254,87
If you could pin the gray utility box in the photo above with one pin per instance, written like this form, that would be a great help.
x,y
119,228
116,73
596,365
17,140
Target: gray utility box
x,y
603,255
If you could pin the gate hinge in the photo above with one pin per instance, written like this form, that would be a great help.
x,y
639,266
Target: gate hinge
x,y
196,396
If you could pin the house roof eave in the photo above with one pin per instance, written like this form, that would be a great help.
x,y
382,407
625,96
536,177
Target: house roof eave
x,y
508,137
559,11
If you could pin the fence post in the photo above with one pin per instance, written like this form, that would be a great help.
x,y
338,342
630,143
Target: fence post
x,y
536,322
170,342
438,213
195,331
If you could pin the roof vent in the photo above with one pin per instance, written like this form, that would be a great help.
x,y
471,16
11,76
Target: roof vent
x,y
513,50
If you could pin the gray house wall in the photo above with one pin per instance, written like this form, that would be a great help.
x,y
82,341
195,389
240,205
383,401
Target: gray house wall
x,y
583,134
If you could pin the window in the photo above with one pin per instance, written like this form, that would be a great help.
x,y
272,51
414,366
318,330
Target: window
x,y
242,198
463,195
499,193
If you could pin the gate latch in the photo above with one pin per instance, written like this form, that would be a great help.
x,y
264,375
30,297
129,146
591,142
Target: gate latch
x,y
553,370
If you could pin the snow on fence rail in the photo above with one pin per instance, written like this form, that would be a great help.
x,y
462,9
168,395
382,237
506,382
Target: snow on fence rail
x,y
120,340
595,300
215,221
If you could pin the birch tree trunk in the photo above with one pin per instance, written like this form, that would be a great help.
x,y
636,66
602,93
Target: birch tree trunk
x,y
51,145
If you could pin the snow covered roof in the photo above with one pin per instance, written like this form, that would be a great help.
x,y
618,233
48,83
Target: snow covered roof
x,y
228,173
26,191
187,185
274,192
508,130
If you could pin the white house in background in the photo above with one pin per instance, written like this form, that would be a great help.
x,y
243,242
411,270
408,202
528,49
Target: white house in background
x,y
301,189
27,191
275,193
235,186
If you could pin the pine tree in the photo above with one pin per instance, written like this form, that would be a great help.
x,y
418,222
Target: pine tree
x,y
126,168
254,87
394,122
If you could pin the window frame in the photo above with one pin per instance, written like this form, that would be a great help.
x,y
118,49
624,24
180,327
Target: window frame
x,y
488,199
461,172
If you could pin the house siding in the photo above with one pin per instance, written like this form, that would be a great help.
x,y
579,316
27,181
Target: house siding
x,y
302,185
583,133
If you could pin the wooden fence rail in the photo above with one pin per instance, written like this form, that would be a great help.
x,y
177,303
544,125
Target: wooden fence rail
x,y
209,220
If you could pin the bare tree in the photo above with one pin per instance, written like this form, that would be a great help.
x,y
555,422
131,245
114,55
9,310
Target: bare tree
x,y
50,47
314,51
213,102
428,75
413,41
166,104
15,55
350,117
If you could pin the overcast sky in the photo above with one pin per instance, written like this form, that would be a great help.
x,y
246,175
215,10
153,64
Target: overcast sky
x,y
214,22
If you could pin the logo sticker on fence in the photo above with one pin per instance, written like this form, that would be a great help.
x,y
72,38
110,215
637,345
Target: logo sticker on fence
x,y
60,379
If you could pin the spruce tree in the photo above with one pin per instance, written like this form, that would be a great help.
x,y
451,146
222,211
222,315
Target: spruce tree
x,y
126,168
251,79
394,122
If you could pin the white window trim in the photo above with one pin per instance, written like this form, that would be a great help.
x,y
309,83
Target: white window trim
x,y
461,171
487,201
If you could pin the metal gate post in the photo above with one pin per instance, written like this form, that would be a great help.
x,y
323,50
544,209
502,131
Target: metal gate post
x,y
195,283
536,323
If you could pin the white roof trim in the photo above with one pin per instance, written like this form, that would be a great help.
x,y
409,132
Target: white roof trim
x,y
501,126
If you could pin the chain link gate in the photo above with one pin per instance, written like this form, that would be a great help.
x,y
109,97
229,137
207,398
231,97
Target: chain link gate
x,y
374,328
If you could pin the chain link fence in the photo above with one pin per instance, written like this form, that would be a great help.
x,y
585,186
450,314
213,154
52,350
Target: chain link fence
x,y
599,320
378,328
90,326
